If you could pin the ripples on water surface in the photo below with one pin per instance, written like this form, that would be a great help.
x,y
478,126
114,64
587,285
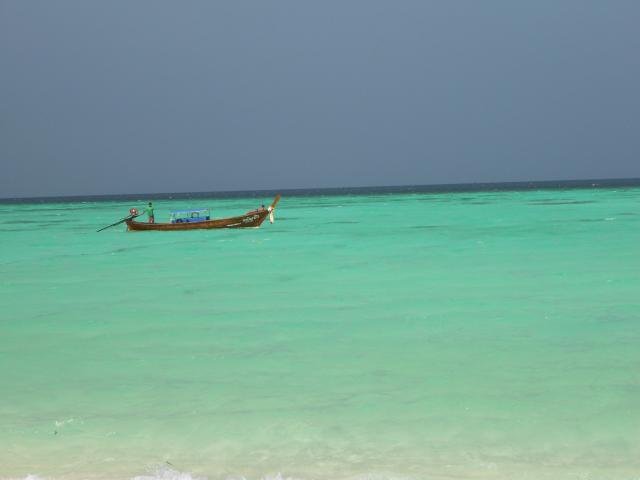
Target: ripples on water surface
x,y
425,336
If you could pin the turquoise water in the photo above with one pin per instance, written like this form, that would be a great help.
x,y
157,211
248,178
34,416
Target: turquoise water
x,y
483,335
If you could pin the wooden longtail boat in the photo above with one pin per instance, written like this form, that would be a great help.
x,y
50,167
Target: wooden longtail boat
x,y
252,219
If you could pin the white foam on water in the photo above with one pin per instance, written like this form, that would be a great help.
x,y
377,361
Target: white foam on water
x,y
267,477
62,423
166,473
28,477
279,476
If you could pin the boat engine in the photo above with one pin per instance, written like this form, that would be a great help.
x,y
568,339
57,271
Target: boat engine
x,y
133,211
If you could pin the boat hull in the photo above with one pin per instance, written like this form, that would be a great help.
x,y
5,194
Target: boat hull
x,y
248,220
252,219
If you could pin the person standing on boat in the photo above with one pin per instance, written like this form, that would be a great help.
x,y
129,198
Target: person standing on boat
x,y
149,212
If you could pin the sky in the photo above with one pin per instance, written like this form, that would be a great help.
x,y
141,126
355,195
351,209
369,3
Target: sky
x,y
104,97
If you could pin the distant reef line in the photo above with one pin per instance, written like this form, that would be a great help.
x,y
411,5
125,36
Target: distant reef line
x,y
334,191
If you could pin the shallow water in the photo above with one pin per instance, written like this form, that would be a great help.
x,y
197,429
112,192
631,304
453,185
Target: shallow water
x,y
488,335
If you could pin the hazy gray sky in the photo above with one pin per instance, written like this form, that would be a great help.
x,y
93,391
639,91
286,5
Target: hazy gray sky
x,y
156,96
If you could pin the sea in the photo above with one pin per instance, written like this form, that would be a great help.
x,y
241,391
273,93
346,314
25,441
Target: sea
x,y
401,333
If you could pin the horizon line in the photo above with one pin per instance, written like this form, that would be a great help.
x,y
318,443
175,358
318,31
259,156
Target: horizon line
x,y
302,191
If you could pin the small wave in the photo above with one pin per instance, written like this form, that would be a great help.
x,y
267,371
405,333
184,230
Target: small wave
x,y
279,476
28,477
62,423
166,473
560,202
268,477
